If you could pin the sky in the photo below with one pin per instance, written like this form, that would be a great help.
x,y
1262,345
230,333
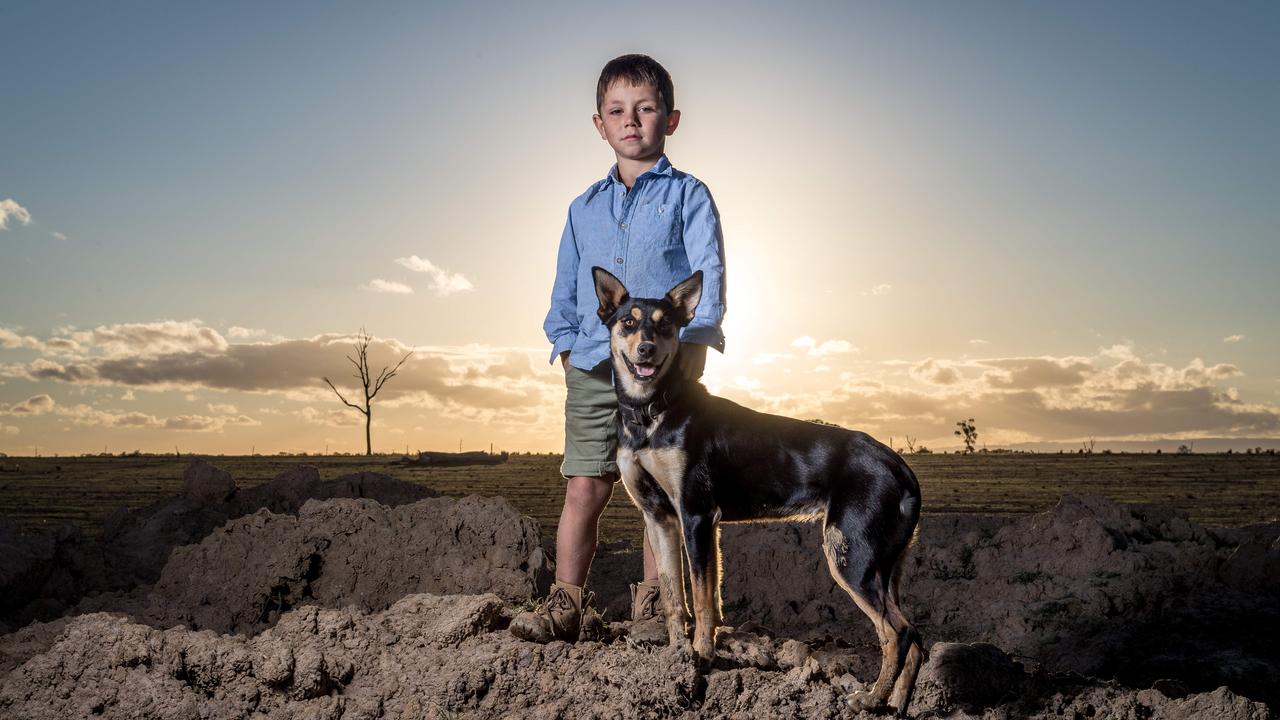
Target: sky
x,y
1059,219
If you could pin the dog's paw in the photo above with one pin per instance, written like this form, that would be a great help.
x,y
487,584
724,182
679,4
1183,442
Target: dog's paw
x,y
864,701
705,650
681,649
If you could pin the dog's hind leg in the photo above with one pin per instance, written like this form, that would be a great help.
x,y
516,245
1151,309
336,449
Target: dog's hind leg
x,y
664,536
906,681
702,543
854,566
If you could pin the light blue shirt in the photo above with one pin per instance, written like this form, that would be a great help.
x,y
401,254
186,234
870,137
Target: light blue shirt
x,y
651,238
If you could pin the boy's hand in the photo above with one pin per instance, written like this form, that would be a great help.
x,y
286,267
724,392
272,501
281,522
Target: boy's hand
x,y
564,359
692,359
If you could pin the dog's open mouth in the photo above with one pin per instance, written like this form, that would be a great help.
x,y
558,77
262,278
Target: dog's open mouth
x,y
643,371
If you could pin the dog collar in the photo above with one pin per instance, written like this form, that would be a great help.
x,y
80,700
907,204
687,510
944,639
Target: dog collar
x,y
641,415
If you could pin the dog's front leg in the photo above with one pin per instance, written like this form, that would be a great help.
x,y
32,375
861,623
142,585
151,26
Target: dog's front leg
x,y
664,536
702,542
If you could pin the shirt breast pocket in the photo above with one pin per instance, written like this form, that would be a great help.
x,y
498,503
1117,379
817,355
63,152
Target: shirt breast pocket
x,y
660,223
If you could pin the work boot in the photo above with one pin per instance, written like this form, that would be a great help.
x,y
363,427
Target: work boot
x,y
648,621
559,617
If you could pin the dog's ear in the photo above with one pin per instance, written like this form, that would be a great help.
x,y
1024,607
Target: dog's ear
x,y
610,291
685,296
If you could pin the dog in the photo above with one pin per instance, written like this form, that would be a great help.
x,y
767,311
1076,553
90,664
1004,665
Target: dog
x,y
691,460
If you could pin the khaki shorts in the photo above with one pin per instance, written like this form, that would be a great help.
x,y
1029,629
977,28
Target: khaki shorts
x,y
590,429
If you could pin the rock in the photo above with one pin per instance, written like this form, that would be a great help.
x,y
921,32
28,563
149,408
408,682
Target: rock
x,y
967,677
206,483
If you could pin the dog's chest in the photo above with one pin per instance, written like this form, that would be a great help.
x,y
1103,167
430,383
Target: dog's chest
x,y
665,465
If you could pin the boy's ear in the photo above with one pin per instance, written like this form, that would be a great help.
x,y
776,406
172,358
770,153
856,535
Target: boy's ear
x,y
673,122
610,291
685,296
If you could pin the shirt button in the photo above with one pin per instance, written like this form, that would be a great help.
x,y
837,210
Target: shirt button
x,y
618,260
622,225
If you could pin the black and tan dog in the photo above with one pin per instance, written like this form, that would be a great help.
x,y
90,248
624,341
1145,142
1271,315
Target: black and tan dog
x,y
691,460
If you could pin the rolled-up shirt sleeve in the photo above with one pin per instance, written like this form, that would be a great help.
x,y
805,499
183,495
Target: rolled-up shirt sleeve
x,y
704,246
561,325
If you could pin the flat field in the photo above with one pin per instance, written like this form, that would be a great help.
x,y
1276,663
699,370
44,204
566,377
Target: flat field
x,y
1216,490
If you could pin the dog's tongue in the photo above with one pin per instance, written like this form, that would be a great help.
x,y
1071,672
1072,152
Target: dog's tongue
x,y
645,370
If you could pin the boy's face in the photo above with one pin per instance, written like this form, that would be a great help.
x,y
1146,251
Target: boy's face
x,y
634,121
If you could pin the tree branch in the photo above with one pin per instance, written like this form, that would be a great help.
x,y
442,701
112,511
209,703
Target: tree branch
x,y
335,390
385,376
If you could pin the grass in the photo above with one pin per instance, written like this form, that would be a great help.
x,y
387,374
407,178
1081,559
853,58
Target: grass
x,y
1216,490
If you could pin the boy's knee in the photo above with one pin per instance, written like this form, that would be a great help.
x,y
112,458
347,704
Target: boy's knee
x,y
589,493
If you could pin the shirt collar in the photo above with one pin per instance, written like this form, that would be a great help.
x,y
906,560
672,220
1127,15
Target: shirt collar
x,y
662,167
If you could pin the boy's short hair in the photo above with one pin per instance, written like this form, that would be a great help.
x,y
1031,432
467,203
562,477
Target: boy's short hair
x,y
637,69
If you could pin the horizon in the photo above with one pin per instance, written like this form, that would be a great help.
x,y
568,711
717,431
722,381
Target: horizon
x,y
1057,220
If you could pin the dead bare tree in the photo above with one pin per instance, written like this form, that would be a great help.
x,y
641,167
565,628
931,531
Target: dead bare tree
x,y
361,361
911,444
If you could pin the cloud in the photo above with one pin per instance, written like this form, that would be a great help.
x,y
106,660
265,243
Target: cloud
x,y
388,286
147,339
1040,372
57,236
333,417
1232,338
931,371
977,341
239,333
10,339
202,423
881,289
827,347
11,209
442,281
84,415
34,405
1113,394
472,382
89,416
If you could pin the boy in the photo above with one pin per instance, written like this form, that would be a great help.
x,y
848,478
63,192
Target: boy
x,y
651,226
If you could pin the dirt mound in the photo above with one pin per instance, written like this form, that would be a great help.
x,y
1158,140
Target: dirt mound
x,y
242,576
319,608
432,656
43,573
1133,592
348,552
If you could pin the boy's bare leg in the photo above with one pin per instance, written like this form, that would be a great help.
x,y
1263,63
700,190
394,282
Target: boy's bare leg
x,y
585,499
650,565
563,614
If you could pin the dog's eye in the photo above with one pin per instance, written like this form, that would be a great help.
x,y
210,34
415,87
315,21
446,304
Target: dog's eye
x,y
628,323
